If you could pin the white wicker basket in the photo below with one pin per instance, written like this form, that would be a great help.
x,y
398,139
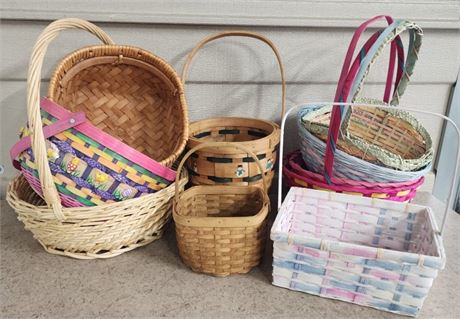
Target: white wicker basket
x,y
371,252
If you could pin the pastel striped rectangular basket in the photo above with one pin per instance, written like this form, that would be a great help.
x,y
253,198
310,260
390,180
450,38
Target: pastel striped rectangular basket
x,y
371,252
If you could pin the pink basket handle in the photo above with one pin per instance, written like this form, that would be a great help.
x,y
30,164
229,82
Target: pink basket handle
x,y
338,114
389,82
350,52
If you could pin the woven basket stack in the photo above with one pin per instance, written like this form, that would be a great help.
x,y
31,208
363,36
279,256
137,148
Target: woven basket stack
x,y
364,150
98,157
342,231
98,150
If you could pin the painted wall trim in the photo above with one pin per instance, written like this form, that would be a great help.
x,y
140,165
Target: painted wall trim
x,y
288,13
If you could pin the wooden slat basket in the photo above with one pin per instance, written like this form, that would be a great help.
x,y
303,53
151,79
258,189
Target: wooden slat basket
x,y
227,165
221,230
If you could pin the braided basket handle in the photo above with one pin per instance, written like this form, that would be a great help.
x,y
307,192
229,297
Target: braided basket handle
x,y
247,34
340,113
391,33
396,52
219,144
340,95
50,193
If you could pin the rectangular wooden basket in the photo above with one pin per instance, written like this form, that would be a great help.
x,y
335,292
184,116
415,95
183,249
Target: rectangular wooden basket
x,y
371,252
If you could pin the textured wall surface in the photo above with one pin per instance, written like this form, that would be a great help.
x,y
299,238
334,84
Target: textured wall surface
x,y
233,76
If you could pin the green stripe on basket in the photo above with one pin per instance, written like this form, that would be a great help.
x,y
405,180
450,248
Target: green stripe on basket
x,y
228,131
250,159
219,159
82,200
257,133
254,178
202,134
123,160
220,179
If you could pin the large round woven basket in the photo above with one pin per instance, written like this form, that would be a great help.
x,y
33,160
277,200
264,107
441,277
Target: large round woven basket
x,y
221,230
115,120
92,232
227,165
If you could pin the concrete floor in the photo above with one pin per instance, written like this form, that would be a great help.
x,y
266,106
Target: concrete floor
x,y
153,282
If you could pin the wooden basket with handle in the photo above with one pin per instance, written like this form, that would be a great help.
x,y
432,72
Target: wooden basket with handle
x,y
227,165
221,230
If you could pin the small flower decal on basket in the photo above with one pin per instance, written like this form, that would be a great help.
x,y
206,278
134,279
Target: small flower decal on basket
x,y
101,178
126,193
52,151
122,194
72,165
240,171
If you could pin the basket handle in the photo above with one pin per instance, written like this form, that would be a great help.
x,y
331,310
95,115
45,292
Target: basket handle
x,y
389,35
340,94
247,34
219,144
339,113
50,193
397,53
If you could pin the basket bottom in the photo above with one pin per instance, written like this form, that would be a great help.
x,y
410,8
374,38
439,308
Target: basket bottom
x,y
286,283
93,232
102,254
225,271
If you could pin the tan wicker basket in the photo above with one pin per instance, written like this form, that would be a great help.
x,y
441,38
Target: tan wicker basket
x,y
227,165
92,232
109,229
221,230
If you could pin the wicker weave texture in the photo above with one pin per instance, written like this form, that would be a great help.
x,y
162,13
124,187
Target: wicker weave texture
x,y
371,252
221,230
92,232
381,128
221,251
229,166
388,138
127,92
297,175
129,96
346,166
100,231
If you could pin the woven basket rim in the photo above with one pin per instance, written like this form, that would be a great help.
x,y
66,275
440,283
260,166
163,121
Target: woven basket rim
x,y
103,50
306,117
259,144
280,236
70,212
245,221
294,157
109,50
